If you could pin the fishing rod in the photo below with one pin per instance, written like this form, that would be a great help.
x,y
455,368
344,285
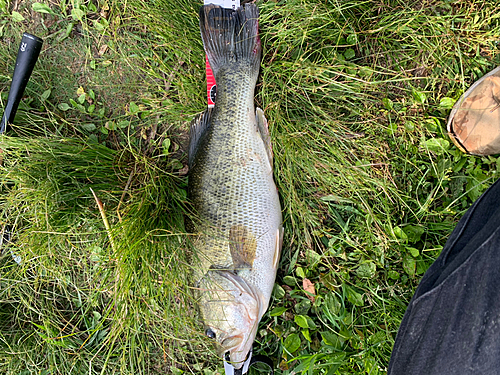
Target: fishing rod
x,y
27,55
29,49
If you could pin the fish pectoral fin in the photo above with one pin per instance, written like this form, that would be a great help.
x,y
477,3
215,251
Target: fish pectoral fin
x,y
263,127
243,246
197,132
278,246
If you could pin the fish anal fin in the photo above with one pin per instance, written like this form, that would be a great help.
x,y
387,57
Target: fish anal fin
x,y
278,246
264,133
197,132
243,246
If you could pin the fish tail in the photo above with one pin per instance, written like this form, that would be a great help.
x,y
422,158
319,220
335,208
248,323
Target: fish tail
x,y
231,36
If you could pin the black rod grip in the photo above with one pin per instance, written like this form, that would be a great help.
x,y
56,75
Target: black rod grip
x,y
29,49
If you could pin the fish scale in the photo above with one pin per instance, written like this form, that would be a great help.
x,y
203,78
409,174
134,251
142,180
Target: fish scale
x,y
232,167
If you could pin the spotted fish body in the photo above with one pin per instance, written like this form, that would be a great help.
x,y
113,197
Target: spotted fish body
x,y
232,189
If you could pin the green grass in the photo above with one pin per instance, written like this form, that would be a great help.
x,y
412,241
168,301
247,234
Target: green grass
x,y
357,94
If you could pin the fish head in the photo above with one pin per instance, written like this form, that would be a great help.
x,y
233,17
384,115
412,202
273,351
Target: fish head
x,y
231,310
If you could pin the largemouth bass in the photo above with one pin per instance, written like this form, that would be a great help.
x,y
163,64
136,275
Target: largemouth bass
x,y
232,189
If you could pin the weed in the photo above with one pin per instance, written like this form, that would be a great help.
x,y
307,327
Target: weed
x,y
356,94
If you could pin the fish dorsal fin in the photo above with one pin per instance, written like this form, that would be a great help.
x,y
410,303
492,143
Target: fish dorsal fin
x,y
197,132
264,134
243,246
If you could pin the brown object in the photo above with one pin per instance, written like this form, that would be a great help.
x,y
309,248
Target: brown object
x,y
474,122
309,288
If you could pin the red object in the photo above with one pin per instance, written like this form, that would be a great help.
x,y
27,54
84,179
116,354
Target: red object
x,y
211,88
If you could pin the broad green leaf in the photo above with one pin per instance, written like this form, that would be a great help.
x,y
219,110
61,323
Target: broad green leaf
x,y
475,185
17,17
310,323
290,280
42,8
101,24
45,95
409,125
432,124
349,54
111,125
77,14
77,105
446,103
392,128
394,275
400,234
332,303
370,365
300,272
409,265
63,106
292,343
278,291
133,108
413,232
353,296
414,252
387,104
367,270
303,307
125,123
352,39
312,258
301,321
436,145
332,339
89,127
277,311
419,96
165,146
306,334
422,266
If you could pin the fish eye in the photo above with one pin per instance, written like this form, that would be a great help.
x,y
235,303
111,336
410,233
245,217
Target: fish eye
x,y
210,333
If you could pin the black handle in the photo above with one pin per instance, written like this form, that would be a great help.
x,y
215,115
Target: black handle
x,y
29,49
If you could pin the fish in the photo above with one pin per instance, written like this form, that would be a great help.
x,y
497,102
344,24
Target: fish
x,y
231,187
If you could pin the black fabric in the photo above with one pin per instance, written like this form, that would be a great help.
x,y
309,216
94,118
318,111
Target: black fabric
x,y
452,324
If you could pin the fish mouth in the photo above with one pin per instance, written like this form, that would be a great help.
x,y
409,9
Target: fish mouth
x,y
230,344
236,347
240,364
